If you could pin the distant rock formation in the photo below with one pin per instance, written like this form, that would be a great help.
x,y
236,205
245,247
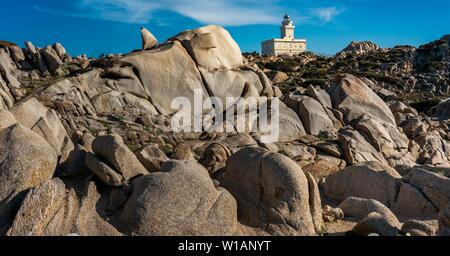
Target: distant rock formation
x,y
358,48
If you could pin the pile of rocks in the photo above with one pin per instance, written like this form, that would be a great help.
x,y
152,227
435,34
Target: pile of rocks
x,y
358,48
415,75
105,161
24,70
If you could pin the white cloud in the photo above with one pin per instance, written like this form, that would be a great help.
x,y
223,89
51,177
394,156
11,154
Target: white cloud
x,y
226,12
134,11
222,12
327,14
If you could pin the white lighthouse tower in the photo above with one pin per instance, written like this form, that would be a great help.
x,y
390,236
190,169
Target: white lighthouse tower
x,y
287,28
287,44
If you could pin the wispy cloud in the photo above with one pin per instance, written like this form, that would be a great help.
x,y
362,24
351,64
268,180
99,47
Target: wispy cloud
x,y
133,11
221,12
227,12
326,14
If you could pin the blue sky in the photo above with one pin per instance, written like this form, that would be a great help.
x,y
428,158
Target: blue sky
x,y
112,26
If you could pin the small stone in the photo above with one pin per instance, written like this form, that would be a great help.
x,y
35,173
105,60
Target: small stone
x,y
375,223
418,228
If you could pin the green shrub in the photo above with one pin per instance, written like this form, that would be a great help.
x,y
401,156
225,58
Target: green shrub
x,y
282,65
316,82
425,105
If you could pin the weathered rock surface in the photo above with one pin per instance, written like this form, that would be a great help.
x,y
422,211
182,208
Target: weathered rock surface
x,y
160,82
435,187
444,222
330,214
359,208
356,149
418,228
328,121
33,115
114,151
38,208
6,119
314,117
375,223
315,203
18,173
369,180
148,39
212,47
215,157
60,50
108,175
88,221
271,191
411,202
179,200
355,99
51,209
52,60
358,48
152,158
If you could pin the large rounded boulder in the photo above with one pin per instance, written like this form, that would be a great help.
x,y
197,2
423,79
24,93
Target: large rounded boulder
x,y
354,98
369,180
271,191
26,161
179,200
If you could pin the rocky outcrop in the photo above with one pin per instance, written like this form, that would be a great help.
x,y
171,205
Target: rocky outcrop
x,y
370,180
418,228
412,203
271,191
436,188
374,223
314,117
38,208
444,222
442,110
45,122
355,99
220,63
179,200
152,158
18,171
102,140
159,82
373,118
149,41
52,60
358,48
52,209
123,162
359,208
212,47
356,149
215,157
315,111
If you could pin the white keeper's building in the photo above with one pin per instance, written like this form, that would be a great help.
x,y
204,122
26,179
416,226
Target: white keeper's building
x,y
287,44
